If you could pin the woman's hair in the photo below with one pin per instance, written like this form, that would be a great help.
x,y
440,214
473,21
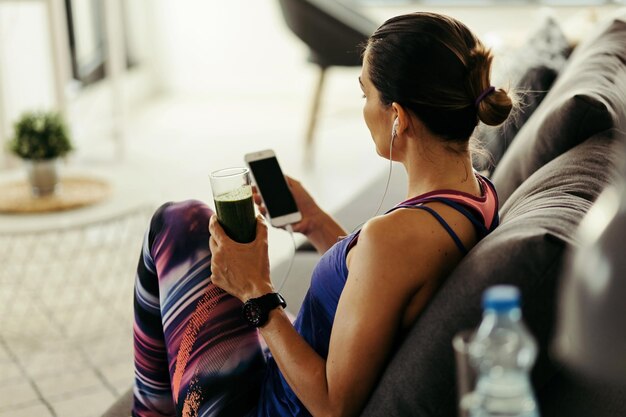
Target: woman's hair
x,y
434,66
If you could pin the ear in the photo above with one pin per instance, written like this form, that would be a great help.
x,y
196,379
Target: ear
x,y
402,116
408,122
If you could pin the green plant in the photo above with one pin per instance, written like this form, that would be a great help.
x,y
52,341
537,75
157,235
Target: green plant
x,y
40,135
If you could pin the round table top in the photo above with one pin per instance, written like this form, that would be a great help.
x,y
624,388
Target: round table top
x,y
72,192
113,191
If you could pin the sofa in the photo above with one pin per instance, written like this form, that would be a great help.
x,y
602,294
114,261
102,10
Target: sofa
x,y
551,165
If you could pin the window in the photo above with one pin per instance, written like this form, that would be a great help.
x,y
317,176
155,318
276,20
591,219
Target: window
x,y
85,20
88,38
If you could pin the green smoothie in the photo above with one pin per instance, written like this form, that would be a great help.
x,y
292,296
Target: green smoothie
x,y
235,211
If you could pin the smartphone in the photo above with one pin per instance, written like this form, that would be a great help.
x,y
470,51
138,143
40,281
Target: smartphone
x,y
271,183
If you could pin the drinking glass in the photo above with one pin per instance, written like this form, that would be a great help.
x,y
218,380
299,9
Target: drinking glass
x,y
232,194
465,373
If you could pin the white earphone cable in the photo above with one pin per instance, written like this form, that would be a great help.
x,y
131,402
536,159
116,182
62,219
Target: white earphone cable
x,y
393,137
382,200
293,255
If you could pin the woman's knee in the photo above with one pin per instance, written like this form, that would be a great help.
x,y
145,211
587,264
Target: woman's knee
x,y
182,226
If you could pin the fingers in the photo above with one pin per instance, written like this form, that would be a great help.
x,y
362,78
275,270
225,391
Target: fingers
x,y
218,236
261,228
232,263
212,245
215,229
259,203
258,200
255,192
218,268
291,182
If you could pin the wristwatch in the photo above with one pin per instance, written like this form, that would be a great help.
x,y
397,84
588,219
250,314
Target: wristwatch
x,y
256,310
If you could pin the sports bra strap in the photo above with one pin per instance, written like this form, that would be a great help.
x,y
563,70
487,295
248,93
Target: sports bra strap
x,y
478,225
445,225
482,225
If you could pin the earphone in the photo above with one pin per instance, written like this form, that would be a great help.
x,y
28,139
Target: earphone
x,y
394,131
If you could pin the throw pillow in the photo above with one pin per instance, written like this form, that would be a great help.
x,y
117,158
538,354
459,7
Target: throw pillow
x,y
587,98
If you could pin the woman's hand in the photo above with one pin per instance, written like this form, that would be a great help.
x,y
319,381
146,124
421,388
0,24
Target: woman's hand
x,y
319,227
240,269
311,212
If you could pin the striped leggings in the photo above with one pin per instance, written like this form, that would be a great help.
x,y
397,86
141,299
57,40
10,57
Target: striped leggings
x,y
194,354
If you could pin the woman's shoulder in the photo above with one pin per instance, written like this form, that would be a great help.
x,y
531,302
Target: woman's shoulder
x,y
406,229
411,245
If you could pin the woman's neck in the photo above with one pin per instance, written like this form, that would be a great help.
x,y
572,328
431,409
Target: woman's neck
x,y
433,165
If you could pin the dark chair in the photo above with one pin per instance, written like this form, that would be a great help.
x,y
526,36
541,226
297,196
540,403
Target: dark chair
x,y
333,32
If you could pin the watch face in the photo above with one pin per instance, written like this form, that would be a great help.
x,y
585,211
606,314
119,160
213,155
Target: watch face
x,y
252,313
256,310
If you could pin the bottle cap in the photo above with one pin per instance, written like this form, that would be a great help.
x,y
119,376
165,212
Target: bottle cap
x,y
501,298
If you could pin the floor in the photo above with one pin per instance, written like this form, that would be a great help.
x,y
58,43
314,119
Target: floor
x,y
65,328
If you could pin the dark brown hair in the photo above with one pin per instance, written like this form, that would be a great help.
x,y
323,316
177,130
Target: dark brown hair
x,y
434,66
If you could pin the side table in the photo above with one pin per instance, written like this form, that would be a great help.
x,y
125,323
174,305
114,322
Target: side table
x,y
72,192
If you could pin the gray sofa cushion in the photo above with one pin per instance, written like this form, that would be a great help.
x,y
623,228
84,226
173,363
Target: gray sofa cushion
x,y
573,395
589,166
585,99
525,250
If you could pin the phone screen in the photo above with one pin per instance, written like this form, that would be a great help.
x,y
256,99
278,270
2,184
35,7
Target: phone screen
x,y
273,187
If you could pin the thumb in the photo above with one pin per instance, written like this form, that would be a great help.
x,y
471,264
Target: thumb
x,y
215,228
290,181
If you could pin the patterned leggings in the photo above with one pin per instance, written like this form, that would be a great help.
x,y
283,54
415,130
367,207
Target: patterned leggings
x,y
194,355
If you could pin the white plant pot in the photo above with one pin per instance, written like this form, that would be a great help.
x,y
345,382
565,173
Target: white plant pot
x,y
43,176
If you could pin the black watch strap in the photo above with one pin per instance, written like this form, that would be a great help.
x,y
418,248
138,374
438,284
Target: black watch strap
x,y
256,310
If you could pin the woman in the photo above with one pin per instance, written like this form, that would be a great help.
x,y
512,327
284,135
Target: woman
x,y
425,80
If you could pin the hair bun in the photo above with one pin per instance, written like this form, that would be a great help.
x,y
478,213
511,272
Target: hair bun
x,y
495,107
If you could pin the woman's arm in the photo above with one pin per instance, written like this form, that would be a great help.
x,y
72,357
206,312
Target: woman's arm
x,y
389,266
324,232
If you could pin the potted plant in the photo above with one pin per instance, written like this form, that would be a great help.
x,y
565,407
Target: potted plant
x,y
40,139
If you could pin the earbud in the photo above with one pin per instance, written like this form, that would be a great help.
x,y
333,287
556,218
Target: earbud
x,y
394,131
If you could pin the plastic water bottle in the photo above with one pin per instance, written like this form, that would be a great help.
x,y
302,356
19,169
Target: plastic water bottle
x,y
503,351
